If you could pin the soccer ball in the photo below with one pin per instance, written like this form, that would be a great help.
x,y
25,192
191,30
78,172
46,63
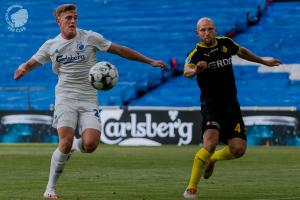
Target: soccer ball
x,y
103,76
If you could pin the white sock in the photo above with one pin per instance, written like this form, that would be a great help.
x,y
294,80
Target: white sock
x,y
57,166
77,145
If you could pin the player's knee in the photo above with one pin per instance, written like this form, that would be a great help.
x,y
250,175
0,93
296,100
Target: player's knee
x,y
238,151
65,139
210,146
210,139
90,147
90,140
65,145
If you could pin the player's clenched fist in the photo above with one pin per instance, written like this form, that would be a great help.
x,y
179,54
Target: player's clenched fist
x,y
201,66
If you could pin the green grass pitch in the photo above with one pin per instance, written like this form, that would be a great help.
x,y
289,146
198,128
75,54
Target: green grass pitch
x,y
149,173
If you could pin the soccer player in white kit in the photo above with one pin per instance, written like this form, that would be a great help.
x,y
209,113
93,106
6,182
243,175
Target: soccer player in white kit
x,y
73,53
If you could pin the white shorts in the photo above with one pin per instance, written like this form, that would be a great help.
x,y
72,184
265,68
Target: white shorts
x,y
81,114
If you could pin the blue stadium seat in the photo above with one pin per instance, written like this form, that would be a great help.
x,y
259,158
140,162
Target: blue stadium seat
x,y
159,30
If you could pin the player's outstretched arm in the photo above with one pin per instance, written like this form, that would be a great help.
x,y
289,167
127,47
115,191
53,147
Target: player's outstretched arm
x,y
25,68
248,55
131,54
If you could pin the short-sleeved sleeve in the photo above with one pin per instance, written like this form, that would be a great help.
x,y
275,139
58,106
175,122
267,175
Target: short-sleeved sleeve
x,y
192,58
234,47
98,41
42,55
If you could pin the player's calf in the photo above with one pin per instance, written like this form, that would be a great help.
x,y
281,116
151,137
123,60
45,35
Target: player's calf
x,y
209,169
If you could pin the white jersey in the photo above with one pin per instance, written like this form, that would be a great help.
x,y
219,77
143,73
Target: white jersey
x,y
71,61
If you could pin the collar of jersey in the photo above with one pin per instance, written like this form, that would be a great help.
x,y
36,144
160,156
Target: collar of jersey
x,y
201,45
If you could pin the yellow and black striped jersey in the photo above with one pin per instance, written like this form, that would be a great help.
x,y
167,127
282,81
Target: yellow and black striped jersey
x,y
217,83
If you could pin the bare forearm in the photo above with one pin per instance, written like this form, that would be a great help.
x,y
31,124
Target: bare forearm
x,y
189,74
29,65
25,68
189,71
131,54
248,55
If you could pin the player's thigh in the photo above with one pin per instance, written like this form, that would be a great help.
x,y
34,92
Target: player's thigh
x,y
66,135
210,126
210,139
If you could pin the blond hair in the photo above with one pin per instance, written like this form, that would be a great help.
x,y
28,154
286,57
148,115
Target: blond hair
x,y
204,19
63,8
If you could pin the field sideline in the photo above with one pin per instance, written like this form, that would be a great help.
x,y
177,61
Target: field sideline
x,y
149,173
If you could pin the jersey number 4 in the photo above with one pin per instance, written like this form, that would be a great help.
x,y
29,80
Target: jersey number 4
x,y
238,128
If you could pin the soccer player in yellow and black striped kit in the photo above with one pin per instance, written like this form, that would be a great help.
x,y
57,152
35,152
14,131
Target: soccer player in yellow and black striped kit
x,y
211,62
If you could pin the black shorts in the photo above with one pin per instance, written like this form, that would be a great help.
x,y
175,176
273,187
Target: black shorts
x,y
225,118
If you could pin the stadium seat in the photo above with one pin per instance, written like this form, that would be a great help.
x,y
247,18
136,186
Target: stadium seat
x,y
158,30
